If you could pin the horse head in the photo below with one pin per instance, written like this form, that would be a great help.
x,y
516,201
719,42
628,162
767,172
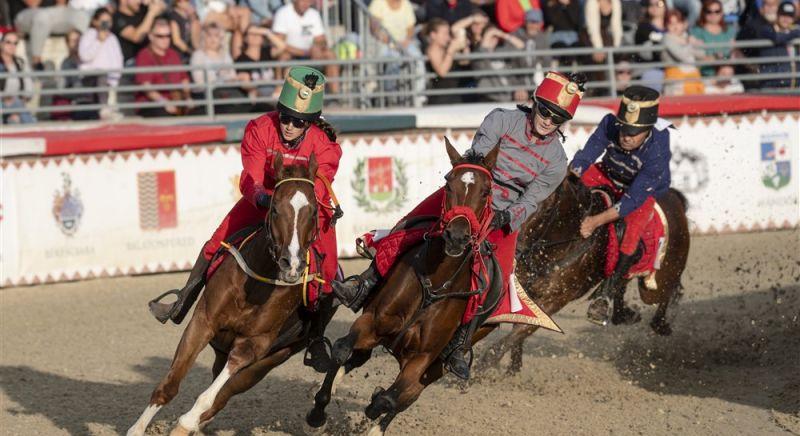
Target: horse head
x,y
468,198
292,218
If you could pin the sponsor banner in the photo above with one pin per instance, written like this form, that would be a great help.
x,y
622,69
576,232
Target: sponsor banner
x,y
127,213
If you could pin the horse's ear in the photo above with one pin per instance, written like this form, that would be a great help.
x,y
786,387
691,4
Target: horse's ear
x,y
490,160
454,155
312,166
277,166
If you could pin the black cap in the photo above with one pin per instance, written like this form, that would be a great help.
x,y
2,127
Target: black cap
x,y
638,110
787,8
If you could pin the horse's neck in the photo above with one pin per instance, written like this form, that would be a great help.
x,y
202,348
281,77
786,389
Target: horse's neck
x,y
256,254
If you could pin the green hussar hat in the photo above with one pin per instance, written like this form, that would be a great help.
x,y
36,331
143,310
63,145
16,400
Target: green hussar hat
x,y
301,96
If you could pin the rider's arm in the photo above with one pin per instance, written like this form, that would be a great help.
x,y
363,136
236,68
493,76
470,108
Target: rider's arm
x,y
254,160
488,134
538,191
654,174
327,156
594,147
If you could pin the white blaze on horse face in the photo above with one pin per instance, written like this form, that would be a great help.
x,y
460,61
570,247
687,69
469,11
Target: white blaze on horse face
x,y
191,419
141,424
468,178
298,201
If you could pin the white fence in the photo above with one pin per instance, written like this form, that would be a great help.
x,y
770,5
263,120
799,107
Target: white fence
x,y
139,212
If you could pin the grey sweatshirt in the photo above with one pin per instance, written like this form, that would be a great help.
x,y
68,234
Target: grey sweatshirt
x,y
527,171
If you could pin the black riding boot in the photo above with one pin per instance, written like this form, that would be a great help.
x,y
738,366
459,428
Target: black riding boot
x,y
354,290
186,296
458,352
600,309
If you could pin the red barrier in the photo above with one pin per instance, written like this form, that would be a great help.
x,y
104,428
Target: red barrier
x,y
122,137
700,105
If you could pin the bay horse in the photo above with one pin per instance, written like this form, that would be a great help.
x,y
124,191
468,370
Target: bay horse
x,y
253,325
556,266
412,320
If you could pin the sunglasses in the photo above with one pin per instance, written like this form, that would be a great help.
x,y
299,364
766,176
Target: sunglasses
x,y
155,35
545,112
296,122
714,11
659,4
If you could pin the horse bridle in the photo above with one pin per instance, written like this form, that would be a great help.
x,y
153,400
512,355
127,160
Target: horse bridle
x,y
271,246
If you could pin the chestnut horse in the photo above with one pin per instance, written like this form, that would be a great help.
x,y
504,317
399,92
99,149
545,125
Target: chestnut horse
x,y
396,314
556,266
253,325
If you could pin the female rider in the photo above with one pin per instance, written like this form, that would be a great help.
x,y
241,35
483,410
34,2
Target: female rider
x,y
530,166
296,131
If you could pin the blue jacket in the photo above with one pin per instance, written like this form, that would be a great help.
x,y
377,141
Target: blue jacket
x,y
640,173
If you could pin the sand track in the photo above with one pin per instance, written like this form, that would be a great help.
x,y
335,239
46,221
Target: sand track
x,y
82,358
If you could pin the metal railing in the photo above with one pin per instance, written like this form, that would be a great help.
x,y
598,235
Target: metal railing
x,y
372,81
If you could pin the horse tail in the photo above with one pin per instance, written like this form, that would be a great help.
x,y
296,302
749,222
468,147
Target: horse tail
x,y
326,127
682,198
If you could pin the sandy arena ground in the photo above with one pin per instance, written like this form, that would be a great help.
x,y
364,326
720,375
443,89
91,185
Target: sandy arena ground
x,y
82,358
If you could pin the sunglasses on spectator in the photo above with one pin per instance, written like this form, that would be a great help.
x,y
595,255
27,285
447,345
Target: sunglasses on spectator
x,y
296,122
545,112
163,35
714,11
660,4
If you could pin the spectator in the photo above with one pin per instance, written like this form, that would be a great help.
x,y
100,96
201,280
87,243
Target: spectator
x,y
212,54
603,29
224,13
158,53
510,14
623,76
682,50
724,82
450,11
99,49
72,63
39,22
133,21
564,18
535,39
393,25
689,8
732,10
476,26
441,49
185,27
14,85
781,33
495,40
260,45
650,32
300,26
752,23
711,28
262,11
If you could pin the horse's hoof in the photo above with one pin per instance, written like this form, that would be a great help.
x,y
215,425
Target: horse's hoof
x,y
598,311
315,422
625,316
380,404
661,328
180,430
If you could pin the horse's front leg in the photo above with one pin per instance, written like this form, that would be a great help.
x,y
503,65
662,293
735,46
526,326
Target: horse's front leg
x,y
196,336
316,417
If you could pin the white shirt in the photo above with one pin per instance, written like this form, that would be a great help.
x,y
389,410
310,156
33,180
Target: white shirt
x,y
300,31
88,5
100,55
395,21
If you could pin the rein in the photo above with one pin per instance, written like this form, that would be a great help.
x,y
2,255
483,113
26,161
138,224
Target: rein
x,y
541,243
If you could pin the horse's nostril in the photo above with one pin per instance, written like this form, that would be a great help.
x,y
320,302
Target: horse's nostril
x,y
283,263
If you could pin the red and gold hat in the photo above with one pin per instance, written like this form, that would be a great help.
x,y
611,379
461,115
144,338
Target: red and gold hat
x,y
562,93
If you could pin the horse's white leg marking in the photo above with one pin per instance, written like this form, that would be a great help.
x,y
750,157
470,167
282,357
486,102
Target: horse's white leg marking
x,y
337,379
141,424
375,430
191,419
298,201
468,178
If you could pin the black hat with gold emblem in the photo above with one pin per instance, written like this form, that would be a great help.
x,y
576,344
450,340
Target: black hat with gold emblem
x,y
638,110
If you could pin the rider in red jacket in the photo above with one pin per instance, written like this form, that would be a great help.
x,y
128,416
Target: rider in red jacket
x,y
296,131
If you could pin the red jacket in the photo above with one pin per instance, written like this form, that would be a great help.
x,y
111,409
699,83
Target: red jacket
x,y
262,142
510,14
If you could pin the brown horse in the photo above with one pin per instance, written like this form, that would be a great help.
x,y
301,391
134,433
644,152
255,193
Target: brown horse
x,y
253,325
556,266
397,314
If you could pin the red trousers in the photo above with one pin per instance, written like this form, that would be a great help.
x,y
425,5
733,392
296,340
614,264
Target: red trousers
x,y
245,214
505,244
635,222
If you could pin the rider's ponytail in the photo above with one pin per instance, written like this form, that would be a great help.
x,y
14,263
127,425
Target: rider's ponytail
x,y
325,127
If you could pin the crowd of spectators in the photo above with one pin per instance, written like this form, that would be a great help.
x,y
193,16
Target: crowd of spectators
x,y
112,34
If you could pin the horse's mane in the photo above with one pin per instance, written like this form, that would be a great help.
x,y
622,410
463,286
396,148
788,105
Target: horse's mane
x,y
295,170
472,157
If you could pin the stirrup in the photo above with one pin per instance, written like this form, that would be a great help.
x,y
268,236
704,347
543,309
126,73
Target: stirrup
x,y
164,311
352,299
320,363
594,316
449,366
